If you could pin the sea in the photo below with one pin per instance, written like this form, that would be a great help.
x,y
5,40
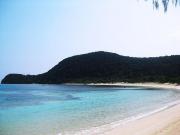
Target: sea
x,y
35,109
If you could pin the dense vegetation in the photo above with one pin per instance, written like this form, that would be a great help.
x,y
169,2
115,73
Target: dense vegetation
x,y
106,67
164,3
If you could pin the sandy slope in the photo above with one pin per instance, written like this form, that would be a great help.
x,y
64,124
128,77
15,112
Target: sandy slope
x,y
166,122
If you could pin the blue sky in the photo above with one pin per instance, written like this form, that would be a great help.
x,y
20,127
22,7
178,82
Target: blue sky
x,y
37,34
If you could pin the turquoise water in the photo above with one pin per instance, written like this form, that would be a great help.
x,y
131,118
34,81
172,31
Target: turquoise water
x,y
62,109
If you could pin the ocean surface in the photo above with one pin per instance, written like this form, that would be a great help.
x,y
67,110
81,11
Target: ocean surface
x,y
67,109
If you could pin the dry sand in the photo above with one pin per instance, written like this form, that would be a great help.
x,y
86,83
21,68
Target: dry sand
x,y
166,122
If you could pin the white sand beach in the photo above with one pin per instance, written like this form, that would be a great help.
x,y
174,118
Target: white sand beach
x,y
151,85
164,122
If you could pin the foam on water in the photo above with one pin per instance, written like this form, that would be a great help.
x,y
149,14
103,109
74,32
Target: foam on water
x,y
80,110
102,129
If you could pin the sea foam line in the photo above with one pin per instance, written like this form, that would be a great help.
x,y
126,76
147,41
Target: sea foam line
x,y
102,129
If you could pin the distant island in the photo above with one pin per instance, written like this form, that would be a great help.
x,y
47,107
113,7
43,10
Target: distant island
x,y
105,67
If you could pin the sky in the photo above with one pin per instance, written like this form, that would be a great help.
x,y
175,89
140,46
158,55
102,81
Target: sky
x,y
35,35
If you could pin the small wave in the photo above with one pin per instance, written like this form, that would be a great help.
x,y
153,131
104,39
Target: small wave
x,y
101,129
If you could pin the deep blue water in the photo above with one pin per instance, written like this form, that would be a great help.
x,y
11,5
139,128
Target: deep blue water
x,y
54,109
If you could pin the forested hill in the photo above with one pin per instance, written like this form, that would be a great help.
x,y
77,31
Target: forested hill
x,y
105,67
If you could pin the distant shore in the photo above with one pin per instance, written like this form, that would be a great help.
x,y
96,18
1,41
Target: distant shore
x,y
124,84
165,122
150,85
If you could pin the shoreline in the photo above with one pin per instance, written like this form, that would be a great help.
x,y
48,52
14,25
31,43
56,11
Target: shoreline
x,y
157,123
165,121
124,84
110,128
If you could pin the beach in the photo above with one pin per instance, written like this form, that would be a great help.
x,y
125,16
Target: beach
x,y
150,85
164,122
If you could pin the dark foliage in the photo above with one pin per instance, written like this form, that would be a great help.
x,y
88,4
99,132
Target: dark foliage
x,y
106,67
164,3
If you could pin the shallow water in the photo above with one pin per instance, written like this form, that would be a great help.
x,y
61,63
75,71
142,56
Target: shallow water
x,y
54,109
